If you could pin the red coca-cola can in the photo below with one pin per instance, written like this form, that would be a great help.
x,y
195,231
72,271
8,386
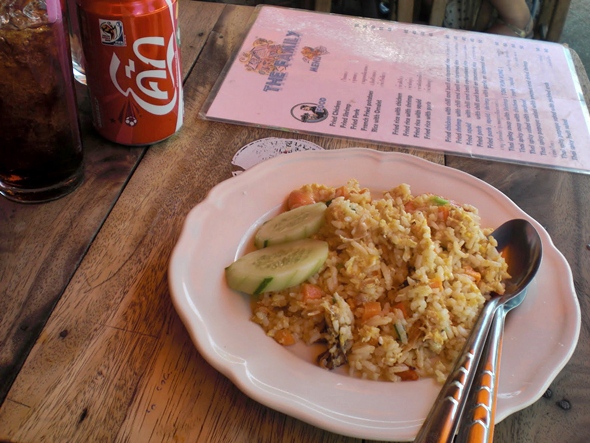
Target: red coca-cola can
x,y
132,55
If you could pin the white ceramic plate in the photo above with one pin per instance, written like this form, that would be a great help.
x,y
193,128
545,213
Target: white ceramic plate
x,y
540,335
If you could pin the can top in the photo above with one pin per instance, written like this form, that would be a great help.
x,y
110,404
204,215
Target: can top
x,y
125,8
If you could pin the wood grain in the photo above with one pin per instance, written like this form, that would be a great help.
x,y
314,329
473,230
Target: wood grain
x,y
405,11
323,5
50,240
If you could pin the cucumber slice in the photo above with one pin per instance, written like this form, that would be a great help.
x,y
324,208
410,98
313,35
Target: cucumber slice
x,y
296,224
277,267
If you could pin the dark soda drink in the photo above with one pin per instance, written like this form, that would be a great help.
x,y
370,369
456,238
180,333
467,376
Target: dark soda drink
x,y
41,155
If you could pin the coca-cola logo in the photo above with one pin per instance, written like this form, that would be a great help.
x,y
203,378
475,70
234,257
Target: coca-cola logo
x,y
150,76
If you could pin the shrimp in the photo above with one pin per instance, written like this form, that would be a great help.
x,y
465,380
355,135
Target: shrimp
x,y
310,194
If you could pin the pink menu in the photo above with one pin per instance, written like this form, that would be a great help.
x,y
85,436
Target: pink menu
x,y
459,92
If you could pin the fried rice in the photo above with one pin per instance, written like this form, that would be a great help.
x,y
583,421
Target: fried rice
x,y
403,284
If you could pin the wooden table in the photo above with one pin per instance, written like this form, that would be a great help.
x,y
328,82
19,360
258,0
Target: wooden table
x,y
91,348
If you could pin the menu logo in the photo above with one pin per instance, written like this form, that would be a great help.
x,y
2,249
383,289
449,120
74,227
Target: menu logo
x,y
313,56
310,112
271,59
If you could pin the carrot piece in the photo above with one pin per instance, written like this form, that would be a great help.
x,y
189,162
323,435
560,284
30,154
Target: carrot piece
x,y
299,198
473,274
284,337
408,375
311,292
410,206
352,303
402,307
443,212
436,283
372,308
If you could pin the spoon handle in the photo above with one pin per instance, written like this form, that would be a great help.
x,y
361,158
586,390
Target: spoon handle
x,y
442,421
478,424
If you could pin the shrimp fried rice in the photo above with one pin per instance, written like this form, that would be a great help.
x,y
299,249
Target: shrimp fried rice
x,y
405,279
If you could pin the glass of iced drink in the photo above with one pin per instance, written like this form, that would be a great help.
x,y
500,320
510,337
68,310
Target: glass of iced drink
x,y
41,155
78,62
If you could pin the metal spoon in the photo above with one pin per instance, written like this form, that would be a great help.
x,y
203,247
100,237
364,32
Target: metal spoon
x,y
478,423
521,247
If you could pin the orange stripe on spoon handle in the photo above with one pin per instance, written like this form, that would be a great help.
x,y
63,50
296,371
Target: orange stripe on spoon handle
x,y
477,425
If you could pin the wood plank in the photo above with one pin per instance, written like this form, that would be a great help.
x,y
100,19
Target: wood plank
x,y
42,245
558,20
405,11
437,13
323,5
546,12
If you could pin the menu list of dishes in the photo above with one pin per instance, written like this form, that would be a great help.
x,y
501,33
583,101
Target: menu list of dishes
x,y
462,92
